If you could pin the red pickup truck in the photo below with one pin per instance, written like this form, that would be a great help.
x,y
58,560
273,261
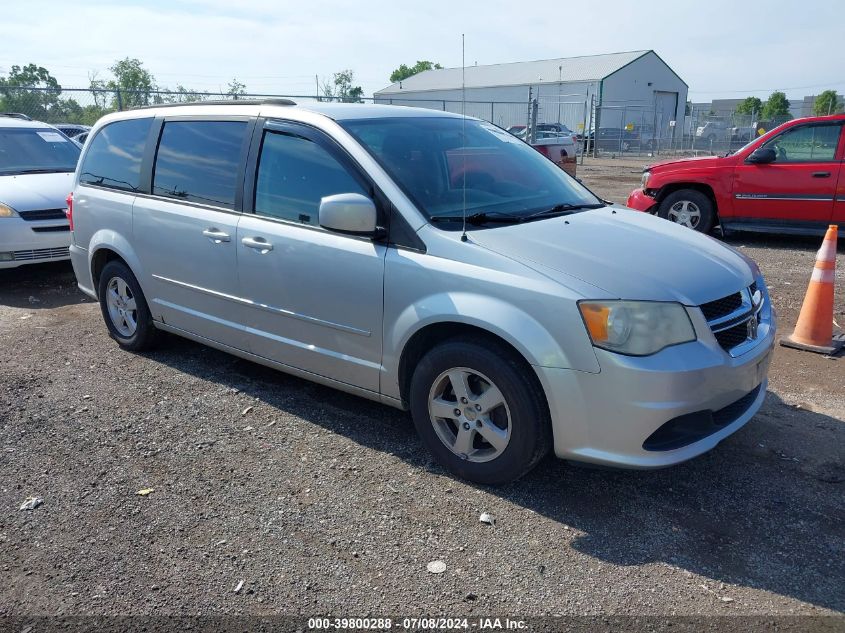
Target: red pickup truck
x,y
790,180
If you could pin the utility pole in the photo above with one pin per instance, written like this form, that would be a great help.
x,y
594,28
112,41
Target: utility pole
x,y
559,89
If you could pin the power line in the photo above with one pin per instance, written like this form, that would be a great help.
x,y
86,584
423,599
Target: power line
x,y
747,90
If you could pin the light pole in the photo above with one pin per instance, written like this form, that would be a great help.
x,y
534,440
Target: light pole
x,y
559,88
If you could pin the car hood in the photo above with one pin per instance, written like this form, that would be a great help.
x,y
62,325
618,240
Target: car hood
x,y
699,161
33,192
626,254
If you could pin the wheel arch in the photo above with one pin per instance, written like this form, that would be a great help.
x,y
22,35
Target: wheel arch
x,y
433,334
106,246
701,187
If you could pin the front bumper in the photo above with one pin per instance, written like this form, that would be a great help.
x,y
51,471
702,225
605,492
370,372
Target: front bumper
x,y
21,244
605,418
639,201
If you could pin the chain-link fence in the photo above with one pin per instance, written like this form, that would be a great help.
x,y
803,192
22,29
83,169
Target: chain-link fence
x,y
600,128
84,105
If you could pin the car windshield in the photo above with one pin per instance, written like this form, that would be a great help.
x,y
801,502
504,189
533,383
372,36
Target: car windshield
x,y
440,162
36,150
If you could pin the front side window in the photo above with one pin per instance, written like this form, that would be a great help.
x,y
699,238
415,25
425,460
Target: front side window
x,y
294,173
198,161
114,157
35,151
441,162
806,144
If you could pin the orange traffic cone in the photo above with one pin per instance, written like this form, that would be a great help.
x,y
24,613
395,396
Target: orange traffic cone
x,y
814,330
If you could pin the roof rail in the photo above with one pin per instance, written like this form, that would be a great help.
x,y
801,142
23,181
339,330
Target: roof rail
x,y
253,102
16,115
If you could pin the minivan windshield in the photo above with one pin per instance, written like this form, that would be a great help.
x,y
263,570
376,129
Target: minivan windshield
x,y
440,162
36,151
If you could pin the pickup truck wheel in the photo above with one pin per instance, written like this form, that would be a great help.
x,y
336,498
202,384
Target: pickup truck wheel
x,y
689,208
124,308
479,413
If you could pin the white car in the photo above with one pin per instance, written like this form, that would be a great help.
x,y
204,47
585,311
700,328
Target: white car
x,y
37,163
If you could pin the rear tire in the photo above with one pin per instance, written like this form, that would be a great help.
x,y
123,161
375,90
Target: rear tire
x,y
125,309
494,426
690,208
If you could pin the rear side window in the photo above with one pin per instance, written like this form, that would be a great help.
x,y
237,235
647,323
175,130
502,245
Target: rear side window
x,y
198,161
113,159
294,173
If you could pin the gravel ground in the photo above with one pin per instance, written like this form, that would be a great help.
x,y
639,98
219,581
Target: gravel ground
x,y
322,503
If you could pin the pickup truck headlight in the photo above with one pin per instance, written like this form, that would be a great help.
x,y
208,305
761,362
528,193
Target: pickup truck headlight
x,y
636,328
644,179
7,212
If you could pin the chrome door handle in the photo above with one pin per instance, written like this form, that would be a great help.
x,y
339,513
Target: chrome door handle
x,y
258,243
216,235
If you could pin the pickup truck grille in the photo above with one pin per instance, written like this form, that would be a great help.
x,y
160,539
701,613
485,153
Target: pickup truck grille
x,y
43,214
734,319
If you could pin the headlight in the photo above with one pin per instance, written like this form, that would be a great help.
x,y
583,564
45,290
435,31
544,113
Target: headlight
x,y
637,328
644,180
7,212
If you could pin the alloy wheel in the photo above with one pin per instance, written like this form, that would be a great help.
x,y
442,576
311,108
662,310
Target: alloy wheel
x,y
686,213
469,414
122,307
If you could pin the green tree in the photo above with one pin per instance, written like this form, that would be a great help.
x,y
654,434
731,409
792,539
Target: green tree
x,y
827,102
776,106
134,82
236,89
750,105
31,90
341,88
184,95
98,90
403,72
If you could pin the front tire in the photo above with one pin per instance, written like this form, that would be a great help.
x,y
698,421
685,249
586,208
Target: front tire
x,y
689,208
125,309
479,412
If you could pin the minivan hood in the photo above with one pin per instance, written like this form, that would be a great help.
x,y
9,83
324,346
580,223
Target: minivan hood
x,y
628,254
33,192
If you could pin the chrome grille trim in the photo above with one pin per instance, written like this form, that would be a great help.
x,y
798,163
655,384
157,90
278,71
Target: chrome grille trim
x,y
752,301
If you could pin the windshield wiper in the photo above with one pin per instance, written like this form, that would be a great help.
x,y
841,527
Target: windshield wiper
x,y
560,209
497,217
481,217
55,170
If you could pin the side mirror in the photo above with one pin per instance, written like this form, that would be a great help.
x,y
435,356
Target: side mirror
x,y
348,213
762,156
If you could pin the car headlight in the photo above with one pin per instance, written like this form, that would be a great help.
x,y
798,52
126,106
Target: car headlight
x,y
636,328
7,212
644,179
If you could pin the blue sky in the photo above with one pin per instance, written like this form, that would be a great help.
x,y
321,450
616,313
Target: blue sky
x,y
722,49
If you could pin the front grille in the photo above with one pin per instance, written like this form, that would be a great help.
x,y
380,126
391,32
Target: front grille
x,y
733,336
721,307
692,427
43,214
51,229
41,253
730,317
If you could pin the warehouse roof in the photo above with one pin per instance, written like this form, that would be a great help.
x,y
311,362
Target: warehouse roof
x,y
585,68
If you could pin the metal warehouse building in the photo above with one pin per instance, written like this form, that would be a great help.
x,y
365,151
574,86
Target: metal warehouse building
x,y
633,88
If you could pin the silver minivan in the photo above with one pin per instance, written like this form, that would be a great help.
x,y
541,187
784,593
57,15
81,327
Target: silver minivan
x,y
431,262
